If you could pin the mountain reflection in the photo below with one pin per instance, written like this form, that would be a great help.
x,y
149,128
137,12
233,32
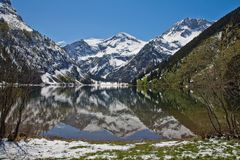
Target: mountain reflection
x,y
94,114
97,114
110,114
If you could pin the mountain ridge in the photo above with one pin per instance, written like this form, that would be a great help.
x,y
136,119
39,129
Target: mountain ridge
x,y
99,57
120,58
24,50
212,52
161,48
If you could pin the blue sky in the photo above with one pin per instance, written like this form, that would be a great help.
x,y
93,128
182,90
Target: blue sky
x,y
70,20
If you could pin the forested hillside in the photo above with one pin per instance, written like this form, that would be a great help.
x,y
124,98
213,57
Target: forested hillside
x,y
212,58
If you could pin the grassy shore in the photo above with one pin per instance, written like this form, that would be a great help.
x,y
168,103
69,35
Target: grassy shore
x,y
78,150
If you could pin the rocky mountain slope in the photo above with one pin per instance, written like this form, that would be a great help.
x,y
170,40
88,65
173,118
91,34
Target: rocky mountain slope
x,y
24,50
98,58
37,59
210,59
160,49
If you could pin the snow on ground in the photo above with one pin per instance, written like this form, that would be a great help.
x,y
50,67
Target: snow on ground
x,y
43,149
170,143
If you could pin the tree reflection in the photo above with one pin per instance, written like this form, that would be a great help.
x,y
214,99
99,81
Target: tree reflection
x,y
228,102
206,112
8,99
13,102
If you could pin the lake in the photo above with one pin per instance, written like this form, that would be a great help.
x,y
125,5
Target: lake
x,y
115,114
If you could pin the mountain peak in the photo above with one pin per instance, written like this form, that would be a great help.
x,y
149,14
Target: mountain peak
x,y
8,2
193,23
124,35
10,16
185,28
180,34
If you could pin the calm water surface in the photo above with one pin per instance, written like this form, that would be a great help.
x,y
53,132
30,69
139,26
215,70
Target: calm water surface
x,y
98,114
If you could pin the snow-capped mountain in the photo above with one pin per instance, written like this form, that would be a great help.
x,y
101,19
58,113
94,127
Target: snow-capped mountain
x,y
160,48
80,49
99,57
119,58
26,49
9,15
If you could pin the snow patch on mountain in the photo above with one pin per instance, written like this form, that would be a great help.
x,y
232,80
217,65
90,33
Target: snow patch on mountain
x,y
27,48
9,15
93,41
183,32
100,57
116,62
160,49
117,59
122,43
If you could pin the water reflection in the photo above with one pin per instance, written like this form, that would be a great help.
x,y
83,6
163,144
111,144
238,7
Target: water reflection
x,y
106,114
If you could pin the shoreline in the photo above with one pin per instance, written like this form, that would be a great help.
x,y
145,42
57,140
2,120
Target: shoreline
x,y
55,149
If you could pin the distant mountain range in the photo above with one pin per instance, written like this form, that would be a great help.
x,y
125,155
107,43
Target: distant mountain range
x,y
160,49
121,58
98,58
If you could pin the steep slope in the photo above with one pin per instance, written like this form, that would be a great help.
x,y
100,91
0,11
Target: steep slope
x,y
98,58
80,49
160,49
210,59
24,49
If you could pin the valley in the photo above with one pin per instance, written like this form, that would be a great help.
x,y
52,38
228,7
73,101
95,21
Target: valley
x,y
174,96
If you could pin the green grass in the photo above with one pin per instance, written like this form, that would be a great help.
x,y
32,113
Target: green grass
x,y
180,152
78,147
